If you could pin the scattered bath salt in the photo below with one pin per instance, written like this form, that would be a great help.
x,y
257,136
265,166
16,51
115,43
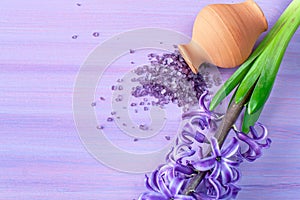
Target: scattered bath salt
x,y
166,79
133,104
110,119
96,34
169,80
100,127
143,127
167,137
74,37
135,139
114,87
93,104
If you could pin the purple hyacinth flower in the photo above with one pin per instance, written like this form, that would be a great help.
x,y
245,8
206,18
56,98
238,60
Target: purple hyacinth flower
x,y
255,142
166,183
219,162
216,190
167,192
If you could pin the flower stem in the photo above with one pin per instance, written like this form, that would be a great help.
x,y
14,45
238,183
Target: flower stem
x,y
227,122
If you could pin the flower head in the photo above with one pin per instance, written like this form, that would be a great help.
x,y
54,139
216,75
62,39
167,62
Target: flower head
x,y
219,162
166,183
255,142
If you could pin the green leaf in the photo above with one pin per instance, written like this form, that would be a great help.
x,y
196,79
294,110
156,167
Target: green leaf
x,y
229,85
249,80
250,119
275,50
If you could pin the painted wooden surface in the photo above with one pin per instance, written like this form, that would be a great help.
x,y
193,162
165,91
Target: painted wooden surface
x,y
41,155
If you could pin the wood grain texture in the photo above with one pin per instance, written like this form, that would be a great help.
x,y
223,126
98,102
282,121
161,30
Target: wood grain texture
x,y
41,155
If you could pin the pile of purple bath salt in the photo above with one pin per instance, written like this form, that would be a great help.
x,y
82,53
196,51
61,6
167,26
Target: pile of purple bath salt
x,y
168,79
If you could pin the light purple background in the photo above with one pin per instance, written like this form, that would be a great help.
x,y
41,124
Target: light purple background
x,y
41,155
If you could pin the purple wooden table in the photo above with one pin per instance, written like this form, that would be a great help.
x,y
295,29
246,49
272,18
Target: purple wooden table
x,y
41,154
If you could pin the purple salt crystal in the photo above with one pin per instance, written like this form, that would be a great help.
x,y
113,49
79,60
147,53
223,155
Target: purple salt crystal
x,y
131,51
143,127
96,34
74,37
93,104
110,119
120,87
133,104
100,127
102,98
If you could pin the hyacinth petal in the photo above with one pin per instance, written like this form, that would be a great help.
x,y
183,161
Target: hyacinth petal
x,y
175,186
226,173
234,191
183,197
267,144
167,171
205,164
183,155
217,187
236,175
216,171
215,147
199,137
201,196
183,169
151,182
232,163
163,188
263,134
202,99
231,149
230,192
152,196
147,184
254,151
